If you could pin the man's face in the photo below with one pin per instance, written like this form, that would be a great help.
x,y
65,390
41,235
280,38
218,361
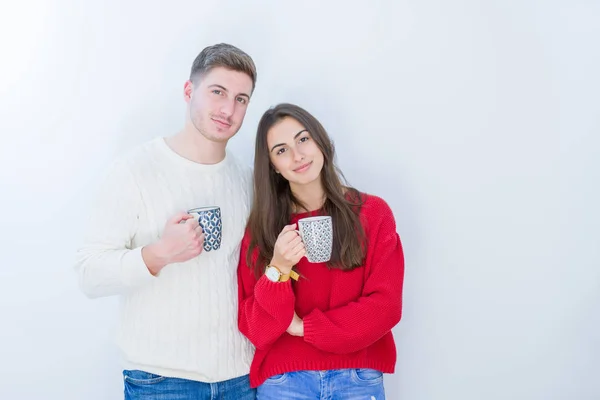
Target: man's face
x,y
217,102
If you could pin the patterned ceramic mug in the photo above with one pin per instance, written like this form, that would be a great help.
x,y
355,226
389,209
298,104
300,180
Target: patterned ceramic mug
x,y
209,218
317,235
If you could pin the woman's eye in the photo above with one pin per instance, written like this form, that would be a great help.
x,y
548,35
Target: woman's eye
x,y
217,91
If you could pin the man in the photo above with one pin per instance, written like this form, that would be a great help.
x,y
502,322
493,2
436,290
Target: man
x,y
178,329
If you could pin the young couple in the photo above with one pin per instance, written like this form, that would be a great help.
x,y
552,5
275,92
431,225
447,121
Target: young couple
x,y
213,325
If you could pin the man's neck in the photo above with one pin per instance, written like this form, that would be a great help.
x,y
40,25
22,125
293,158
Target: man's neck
x,y
311,195
196,148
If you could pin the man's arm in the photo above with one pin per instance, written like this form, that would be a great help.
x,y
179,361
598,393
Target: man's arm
x,y
106,262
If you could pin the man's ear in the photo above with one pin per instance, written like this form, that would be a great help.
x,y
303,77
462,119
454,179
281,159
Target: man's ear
x,y
188,89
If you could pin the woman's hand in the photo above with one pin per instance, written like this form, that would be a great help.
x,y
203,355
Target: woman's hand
x,y
296,328
288,250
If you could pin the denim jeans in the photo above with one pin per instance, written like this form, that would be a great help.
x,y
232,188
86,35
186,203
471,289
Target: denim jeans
x,y
337,384
140,385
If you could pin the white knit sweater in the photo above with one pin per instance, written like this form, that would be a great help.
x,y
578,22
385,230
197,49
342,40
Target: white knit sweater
x,y
182,323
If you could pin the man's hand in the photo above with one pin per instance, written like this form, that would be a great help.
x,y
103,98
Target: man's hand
x,y
296,328
179,242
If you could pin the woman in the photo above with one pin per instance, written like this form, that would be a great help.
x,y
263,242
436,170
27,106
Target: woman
x,y
319,328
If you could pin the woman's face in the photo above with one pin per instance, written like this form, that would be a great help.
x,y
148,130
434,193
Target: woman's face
x,y
293,152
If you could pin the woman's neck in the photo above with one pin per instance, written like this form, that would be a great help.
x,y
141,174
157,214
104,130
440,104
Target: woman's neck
x,y
311,195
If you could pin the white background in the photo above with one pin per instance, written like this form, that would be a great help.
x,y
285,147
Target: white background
x,y
478,122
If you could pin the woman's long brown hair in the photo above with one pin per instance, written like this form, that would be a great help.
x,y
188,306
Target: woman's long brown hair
x,y
274,201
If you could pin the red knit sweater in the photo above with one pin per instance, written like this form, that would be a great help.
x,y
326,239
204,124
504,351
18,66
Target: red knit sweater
x,y
348,315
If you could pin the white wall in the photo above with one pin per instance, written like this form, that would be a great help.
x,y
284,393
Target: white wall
x,y
477,121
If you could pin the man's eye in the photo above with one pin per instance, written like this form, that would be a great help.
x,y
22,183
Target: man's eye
x,y
217,91
242,100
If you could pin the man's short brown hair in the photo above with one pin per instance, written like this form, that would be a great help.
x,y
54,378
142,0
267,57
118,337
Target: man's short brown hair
x,y
223,55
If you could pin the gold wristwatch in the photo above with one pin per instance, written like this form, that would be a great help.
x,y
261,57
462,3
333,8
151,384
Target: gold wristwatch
x,y
275,275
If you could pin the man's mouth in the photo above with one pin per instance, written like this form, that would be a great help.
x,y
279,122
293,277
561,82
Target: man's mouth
x,y
221,122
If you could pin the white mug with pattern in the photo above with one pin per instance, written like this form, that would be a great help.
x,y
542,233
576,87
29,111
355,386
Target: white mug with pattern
x,y
317,236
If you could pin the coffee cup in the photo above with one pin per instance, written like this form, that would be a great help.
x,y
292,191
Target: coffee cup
x,y
209,218
317,235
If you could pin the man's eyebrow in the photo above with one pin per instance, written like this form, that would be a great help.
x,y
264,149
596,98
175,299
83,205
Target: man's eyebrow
x,y
223,88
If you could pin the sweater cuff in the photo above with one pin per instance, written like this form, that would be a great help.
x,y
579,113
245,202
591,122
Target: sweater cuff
x,y
135,271
309,322
276,298
274,289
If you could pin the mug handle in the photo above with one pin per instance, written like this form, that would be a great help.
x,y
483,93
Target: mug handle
x,y
299,234
196,217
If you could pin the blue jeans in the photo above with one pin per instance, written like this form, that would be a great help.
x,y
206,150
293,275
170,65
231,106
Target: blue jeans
x,y
337,384
140,385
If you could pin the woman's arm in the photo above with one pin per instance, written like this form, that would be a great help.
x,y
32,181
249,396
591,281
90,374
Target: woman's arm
x,y
266,308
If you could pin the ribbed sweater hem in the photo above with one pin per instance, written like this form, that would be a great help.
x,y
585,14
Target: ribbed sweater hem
x,y
189,375
256,379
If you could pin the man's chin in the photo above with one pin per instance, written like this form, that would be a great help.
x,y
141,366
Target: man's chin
x,y
219,137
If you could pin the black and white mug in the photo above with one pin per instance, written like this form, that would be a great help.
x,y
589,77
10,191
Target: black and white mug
x,y
317,236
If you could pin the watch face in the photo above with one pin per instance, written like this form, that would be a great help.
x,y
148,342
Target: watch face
x,y
272,274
